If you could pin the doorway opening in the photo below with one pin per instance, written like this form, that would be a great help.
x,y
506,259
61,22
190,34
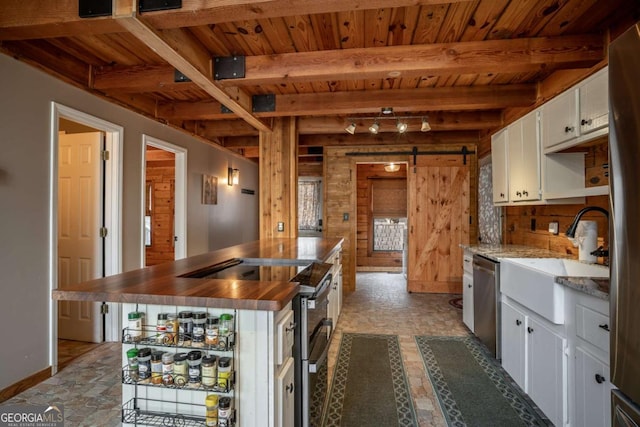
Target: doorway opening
x,y
85,228
164,205
382,217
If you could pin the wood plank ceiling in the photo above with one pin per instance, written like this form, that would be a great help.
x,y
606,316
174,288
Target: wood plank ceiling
x,y
460,63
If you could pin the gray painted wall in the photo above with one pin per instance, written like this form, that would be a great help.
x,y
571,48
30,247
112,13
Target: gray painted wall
x,y
25,109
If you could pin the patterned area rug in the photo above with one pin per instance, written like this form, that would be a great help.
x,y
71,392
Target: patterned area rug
x,y
472,387
370,387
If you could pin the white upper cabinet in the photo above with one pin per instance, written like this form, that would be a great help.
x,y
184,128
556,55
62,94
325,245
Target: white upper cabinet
x,y
560,122
524,159
594,102
577,115
500,167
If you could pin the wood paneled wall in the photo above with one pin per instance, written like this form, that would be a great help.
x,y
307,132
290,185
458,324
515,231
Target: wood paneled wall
x,y
366,257
160,174
279,179
340,194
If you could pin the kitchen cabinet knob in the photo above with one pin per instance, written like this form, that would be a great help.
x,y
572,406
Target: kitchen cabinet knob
x,y
518,322
584,122
469,286
291,327
568,129
289,388
529,329
519,194
502,195
600,379
525,192
604,326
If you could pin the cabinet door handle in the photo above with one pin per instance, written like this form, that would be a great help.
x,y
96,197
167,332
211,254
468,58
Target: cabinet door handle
x,y
469,286
529,329
584,122
519,194
502,195
518,322
568,129
525,192
604,326
292,326
600,379
289,388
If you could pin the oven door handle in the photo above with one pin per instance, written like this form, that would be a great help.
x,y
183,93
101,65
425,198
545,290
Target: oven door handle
x,y
323,291
315,364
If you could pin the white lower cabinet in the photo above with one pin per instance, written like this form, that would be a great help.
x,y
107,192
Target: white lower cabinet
x,y
285,396
547,371
514,344
592,391
467,300
534,354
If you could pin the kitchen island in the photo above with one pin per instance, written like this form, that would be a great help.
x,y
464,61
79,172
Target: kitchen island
x,y
260,349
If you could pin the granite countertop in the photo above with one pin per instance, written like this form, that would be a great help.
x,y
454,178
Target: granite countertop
x,y
597,287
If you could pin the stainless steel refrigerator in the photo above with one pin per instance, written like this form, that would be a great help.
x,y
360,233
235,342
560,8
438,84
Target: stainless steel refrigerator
x,y
624,151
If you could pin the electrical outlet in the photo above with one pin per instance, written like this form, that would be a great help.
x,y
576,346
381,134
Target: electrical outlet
x,y
345,216
281,226
553,227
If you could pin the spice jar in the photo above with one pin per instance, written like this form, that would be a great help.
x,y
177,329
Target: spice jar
x,y
135,326
194,359
211,332
156,367
211,403
132,359
225,330
224,372
161,328
185,327
199,320
172,328
209,370
167,368
180,369
144,364
224,411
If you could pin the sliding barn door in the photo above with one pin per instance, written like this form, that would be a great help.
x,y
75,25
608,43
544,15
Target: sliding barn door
x,y
438,223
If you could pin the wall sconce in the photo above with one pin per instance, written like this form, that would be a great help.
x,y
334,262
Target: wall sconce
x,y
233,177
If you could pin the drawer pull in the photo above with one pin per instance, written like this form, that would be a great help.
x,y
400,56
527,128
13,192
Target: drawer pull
x,y
518,322
529,329
600,379
604,326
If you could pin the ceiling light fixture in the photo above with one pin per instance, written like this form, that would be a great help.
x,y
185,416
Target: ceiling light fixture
x,y
392,167
351,128
426,127
386,113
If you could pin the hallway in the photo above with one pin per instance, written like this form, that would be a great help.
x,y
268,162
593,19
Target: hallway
x,y
90,390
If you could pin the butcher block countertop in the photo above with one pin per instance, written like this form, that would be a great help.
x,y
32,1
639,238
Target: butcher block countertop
x,y
161,284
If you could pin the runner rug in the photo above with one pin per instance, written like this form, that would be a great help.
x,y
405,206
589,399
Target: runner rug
x,y
369,387
472,388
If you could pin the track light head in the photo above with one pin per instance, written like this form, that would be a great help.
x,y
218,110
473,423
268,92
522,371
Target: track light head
x,y
374,128
426,127
351,128
402,126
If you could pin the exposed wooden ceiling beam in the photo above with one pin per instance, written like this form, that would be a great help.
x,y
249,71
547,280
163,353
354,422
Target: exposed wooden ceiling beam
x,y
439,121
462,98
491,56
475,57
193,60
27,19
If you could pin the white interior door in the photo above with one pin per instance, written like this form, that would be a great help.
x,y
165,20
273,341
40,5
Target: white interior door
x,y
80,257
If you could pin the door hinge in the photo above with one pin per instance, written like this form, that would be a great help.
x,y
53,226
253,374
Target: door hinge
x,y
104,155
104,308
103,232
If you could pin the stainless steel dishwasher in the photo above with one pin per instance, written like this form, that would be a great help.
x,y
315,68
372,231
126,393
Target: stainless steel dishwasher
x,y
486,303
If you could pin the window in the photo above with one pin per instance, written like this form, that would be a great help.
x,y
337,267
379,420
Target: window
x,y
310,205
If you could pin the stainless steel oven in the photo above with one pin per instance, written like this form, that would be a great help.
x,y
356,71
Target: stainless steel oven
x,y
312,343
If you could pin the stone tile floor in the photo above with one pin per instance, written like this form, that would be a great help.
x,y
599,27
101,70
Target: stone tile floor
x,y
90,390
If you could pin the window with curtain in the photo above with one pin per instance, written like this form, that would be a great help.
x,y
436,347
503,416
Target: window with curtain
x,y
309,207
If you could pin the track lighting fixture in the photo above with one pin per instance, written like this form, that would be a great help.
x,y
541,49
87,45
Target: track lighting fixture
x,y
386,113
